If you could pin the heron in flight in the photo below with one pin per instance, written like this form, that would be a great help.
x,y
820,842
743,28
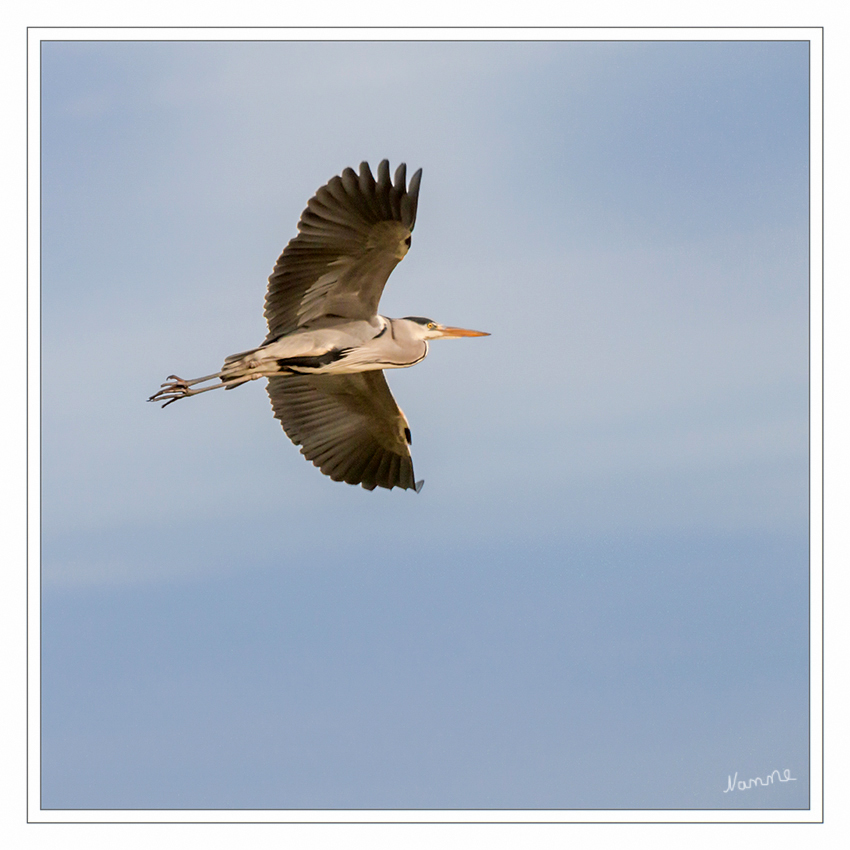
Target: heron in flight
x,y
327,347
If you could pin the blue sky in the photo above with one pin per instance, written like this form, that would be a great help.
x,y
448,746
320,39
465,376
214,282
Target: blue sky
x,y
599,600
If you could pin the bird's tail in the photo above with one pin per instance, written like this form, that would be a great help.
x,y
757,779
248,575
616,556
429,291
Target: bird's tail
x,y
241,355
238,368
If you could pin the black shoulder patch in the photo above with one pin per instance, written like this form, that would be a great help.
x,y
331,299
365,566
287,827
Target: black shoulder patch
x,y
313,361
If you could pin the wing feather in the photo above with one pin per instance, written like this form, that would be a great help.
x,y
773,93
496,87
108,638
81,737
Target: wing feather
x,y
352,234
347,425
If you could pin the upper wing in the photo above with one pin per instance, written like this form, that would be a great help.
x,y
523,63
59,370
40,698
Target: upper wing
x,y
348,425
351,236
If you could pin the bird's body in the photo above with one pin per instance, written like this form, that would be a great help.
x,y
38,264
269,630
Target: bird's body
x,y
334,348
327,346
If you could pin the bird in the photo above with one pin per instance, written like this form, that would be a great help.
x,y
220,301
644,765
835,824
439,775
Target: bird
x,y
327,347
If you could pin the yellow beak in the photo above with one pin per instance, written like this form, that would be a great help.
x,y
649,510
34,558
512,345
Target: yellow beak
x,y
451,332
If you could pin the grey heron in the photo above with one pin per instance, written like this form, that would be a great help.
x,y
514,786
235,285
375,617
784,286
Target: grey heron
x,y
327,347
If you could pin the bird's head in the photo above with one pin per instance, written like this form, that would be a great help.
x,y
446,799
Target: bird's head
x,y
429,329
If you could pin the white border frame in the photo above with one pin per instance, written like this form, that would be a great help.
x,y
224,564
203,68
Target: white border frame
x,y
36,35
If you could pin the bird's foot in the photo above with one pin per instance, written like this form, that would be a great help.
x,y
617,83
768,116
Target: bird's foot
x,y
174,389
177,387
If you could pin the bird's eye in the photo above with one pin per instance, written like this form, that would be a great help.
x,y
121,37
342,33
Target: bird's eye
x,y
432,326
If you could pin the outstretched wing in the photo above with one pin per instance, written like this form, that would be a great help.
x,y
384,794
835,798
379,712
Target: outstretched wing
x,y
348,425
353,233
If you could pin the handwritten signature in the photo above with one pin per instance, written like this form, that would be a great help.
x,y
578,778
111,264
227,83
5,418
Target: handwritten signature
x,y
745,785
